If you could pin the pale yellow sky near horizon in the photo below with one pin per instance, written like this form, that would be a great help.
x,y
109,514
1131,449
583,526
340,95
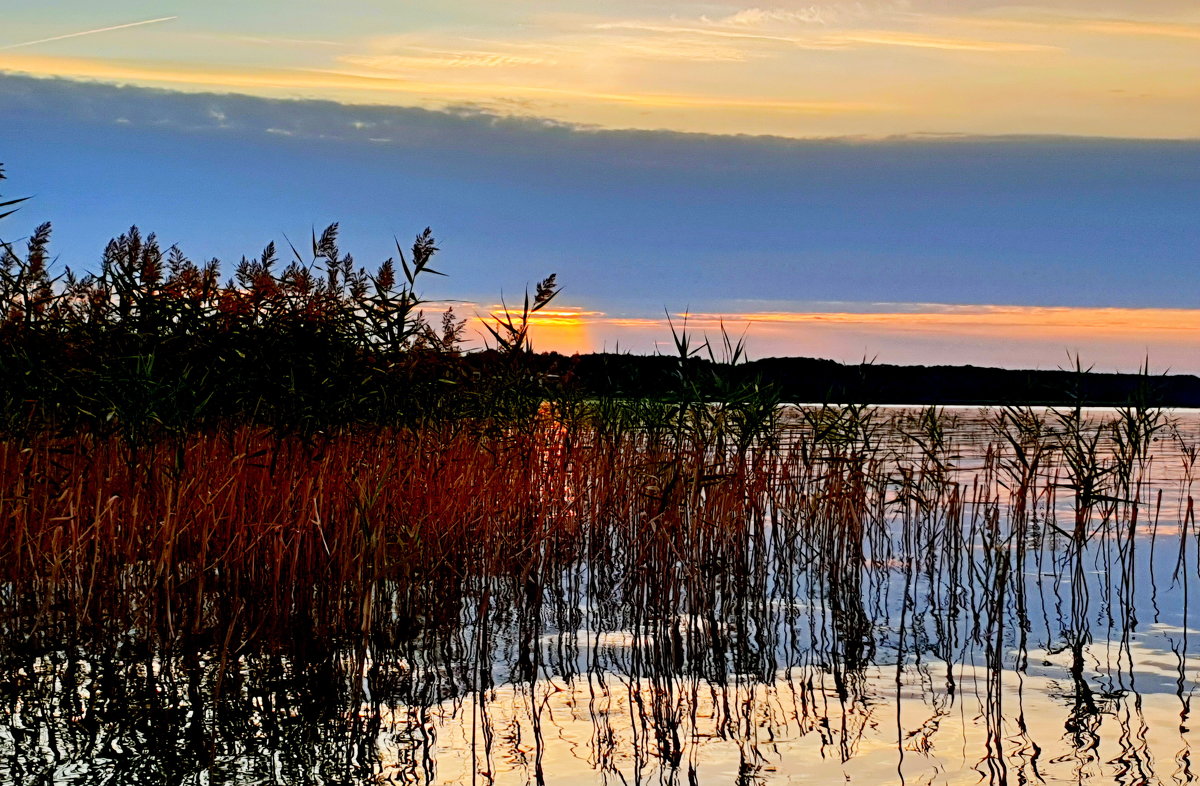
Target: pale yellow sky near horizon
x,y
892,67
1035,337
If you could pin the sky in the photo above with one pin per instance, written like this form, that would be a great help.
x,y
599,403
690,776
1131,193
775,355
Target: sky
x,y
919,181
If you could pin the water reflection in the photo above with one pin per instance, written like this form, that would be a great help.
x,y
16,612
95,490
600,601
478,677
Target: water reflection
x,y
895,597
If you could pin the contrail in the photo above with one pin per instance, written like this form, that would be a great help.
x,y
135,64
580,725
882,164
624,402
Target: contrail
x,y
90,32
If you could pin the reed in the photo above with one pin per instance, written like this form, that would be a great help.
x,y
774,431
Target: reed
x,y
414,560
154,345
289,495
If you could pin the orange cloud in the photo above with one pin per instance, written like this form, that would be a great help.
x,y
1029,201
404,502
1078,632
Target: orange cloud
x,y
1035,320
1136,28
267,81
910,333
883,38
1012,336
1111,27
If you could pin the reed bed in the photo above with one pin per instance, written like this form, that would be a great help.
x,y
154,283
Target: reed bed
x,y
594,541
282,530
308,531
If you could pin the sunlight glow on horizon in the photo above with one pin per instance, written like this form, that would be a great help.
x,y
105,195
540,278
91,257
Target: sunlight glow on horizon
x,y
1116,339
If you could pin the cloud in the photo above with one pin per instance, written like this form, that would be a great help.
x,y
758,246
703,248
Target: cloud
x,y
985,319
1130,27
564,52
272,41
818,14
757,17
1053,326
1012,336
654,26
322,119
804,70
437,60
997,15
381,85
1047,23
76,101
920,41
740,29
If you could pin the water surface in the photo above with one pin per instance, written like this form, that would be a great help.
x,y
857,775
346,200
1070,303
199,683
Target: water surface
x,y
976,597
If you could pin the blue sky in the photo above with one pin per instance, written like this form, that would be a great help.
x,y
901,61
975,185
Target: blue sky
x,y
1017,211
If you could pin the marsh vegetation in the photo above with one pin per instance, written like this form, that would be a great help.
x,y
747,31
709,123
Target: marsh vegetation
x,y
279,530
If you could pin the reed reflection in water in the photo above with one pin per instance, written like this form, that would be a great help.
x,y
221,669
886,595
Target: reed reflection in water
x,y
878,595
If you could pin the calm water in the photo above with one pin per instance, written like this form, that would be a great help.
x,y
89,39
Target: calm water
x,y
941,626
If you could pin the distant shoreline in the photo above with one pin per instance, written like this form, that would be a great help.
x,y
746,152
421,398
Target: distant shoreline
x,y
803,379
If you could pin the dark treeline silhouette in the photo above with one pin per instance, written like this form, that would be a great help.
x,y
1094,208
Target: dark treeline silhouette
x,y
801,379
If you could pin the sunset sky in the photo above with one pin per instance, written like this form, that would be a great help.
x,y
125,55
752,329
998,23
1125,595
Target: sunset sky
x,y
915,181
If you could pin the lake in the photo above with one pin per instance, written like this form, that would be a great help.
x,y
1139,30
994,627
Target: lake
x,y
875,595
